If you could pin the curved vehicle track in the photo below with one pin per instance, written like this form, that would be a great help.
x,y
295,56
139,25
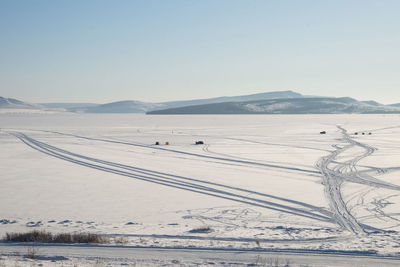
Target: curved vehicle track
x,y
223,159
335,173
185,183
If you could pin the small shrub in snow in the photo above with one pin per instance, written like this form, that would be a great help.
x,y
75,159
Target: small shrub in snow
x,y
202,229
32,253
47,237
121,240
32,236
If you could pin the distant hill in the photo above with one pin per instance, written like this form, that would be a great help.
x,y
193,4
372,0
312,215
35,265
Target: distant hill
x,y
122,107
371,102
313,105
395,105
130,106
11,103
277,102
143,107
260,96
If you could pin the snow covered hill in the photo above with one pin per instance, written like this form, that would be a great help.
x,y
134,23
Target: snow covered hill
x,y
278,102
252,97
130,106
395,105
17,104
314,105
14,106
122,107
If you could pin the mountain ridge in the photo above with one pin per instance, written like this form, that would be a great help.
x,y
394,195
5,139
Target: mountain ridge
x,y
275,102
11,103
313,105
134,106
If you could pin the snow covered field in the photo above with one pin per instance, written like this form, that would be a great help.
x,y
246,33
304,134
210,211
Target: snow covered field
x,y
259,181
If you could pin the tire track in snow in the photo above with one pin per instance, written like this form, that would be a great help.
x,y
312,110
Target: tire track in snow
x,y
206,149
333,178
224,159
180,182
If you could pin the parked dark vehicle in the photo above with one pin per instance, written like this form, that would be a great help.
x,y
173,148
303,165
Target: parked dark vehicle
x,y
199,143
323,132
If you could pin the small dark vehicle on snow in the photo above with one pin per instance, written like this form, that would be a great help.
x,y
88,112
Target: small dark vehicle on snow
x,y
199,143
322,132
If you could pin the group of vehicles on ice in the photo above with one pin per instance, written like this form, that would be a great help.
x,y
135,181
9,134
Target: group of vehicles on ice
x,y
356,133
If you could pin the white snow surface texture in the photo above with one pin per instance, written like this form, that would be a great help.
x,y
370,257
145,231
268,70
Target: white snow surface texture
x,y
269,181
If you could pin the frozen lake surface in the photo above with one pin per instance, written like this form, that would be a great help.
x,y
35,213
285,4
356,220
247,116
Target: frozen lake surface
x,y
257,182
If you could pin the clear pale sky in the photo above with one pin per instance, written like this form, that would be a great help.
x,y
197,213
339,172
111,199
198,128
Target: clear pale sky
x,y
103,51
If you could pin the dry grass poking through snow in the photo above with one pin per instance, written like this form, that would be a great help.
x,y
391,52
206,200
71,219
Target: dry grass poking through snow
x,y
47,237
121,240
202,229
